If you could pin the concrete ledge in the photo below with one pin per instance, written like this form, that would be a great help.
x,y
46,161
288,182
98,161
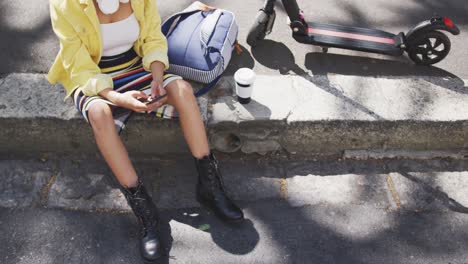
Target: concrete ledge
x,y
324,115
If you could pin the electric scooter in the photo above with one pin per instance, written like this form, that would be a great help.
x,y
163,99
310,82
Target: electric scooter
x,y
425,43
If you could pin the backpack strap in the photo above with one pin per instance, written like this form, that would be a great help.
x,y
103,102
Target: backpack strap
x,y
171,22
207,87
208,27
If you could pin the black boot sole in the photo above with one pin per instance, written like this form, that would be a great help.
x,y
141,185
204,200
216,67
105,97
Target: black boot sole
x,y
151,261
147,261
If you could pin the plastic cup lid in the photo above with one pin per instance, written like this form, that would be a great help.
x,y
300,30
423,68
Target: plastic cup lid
x,y
244,76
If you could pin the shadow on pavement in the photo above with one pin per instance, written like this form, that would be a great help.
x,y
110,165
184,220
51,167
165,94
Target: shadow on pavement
x,y
455,9
165,233
242,60
323,64
238,239
363,233
405,168
173,184
277,231
16,45
408,15
360,234
276,55
437,193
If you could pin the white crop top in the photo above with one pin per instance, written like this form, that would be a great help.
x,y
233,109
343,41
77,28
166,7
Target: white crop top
x,y
118,37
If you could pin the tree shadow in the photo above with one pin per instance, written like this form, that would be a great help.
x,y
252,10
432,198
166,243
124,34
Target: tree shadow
x,y
455,9
361,231
373,166
321,233
323,64
404,167
17,45
408,15
277,56
305,236
436,193
314,232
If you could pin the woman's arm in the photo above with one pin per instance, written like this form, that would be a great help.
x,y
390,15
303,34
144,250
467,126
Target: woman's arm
x,y
78,63
75,57
154,50
157,88
154,44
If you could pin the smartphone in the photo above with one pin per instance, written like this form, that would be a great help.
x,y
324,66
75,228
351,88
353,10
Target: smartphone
x,y
145,101
156,99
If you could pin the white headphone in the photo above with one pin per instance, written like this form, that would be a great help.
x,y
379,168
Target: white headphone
x,y
110,6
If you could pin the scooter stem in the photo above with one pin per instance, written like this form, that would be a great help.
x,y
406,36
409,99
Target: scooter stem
x,y
269,7
293,10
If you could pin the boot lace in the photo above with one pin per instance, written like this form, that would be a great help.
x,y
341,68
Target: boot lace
x,y
142,210
214,176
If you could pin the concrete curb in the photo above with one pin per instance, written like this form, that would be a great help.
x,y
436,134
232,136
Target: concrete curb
x,y
324,115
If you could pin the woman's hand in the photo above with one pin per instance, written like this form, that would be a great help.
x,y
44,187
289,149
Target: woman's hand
x,y
157,88
129,100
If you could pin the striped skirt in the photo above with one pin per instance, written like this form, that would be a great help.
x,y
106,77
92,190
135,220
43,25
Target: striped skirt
x,y
127,73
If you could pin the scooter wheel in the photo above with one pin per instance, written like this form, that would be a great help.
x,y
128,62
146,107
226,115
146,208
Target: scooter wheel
x,y
429,48
258,30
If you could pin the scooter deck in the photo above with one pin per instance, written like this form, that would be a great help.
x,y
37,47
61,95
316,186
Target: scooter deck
x,y
353,38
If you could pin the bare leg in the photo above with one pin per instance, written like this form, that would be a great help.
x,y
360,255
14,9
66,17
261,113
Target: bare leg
x,y
180,95
110,144
138,199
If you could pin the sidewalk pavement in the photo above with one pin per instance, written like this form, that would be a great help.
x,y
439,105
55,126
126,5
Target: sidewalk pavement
x,y
301,211
301,114
304,102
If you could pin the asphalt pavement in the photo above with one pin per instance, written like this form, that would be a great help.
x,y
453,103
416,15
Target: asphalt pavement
x,y
275,232
297,211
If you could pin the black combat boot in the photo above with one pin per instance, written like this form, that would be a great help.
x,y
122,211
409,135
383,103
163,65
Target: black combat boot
x,y
147,214
211,192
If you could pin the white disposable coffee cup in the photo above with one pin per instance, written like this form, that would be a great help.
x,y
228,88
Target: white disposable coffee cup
x,y
245,79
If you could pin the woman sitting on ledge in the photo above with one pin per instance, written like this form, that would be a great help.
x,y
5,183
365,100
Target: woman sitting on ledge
x,y
112,61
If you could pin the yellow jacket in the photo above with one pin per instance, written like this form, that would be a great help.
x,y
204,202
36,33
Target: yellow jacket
x,y
76,24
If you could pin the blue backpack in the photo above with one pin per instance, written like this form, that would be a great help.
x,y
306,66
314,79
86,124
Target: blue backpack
x,y
200,43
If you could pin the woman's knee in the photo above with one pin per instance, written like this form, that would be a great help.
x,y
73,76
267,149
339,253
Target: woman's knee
x,y
180,90
99,114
